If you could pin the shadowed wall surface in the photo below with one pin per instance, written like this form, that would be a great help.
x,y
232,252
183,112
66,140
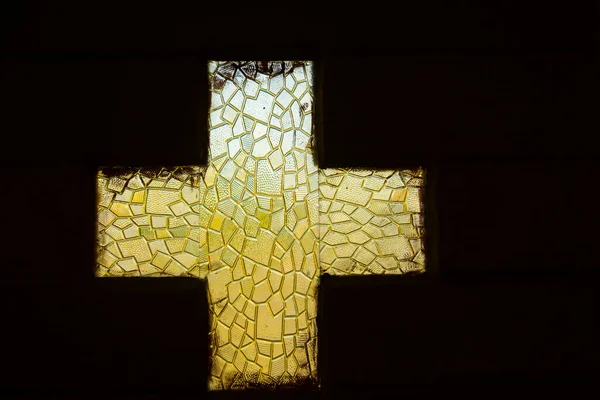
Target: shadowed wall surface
x,y
498,101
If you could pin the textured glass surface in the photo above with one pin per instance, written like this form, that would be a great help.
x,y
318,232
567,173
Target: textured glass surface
x,y
260,223
149,222
371,221
262,236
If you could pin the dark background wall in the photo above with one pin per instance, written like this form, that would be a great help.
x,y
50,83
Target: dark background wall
x,y
498,101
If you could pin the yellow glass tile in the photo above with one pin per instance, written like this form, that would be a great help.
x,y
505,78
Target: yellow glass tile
x,y
290,220
345,227
276,159
390,230
300,193
142,221
180,208
252,226
175,245
302,321
114,250
409,231
160,260
275,278
186,260
137,248
328,254
307,241
259,249
379,207
131,232
227,352
215,241
158,245
277,221
148,270
139,196
290,326
175,269
161,233
158,200
106,259
287,288
261,293
335,206
345,250
398,195
364,256
287,262
247,286
137,209
276,303
269,326
121,209
148,233
416,245
417,219
135,182
300,210
373,246
259,273
264,347
229,256
106,217
249,268
236,335
285,238
156,183
278,252
158,221
228,315
400,217
277,366
192,219
419,258
190,194
350,191
122,222
250,351
302,283
264,218
173,183
413,200
334,238
116,184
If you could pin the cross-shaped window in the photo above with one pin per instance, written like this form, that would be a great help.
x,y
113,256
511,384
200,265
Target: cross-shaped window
x,y
261,222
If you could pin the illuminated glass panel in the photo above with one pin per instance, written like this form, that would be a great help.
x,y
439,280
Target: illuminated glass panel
x,y
371,221
149,222
260,223
262,237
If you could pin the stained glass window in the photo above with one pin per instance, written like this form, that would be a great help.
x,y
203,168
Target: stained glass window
x,y
261,222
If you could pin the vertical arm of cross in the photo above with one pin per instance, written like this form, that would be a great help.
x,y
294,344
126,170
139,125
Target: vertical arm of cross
x,y
262,239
